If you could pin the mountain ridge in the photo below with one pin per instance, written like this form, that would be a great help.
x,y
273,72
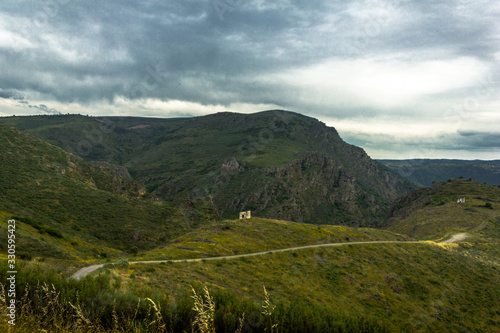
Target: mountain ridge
x,y
276,159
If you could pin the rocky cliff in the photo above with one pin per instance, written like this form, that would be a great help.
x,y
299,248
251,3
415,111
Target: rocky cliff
x,y
278,164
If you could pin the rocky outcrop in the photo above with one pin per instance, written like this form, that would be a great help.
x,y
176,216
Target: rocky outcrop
x,y
230,165
313,189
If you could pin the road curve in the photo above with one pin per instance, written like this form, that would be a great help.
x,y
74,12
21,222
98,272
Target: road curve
x,y
455,238
87,270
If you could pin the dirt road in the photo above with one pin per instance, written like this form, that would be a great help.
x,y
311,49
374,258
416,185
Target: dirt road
x,y
455,238
87,270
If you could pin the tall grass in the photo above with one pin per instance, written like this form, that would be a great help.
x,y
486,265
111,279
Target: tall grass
x,y
44,308
204,307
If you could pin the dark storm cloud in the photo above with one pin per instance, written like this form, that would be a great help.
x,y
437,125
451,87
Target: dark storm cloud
x,y
480,140
84,51
444,144
44,109
398,59
11,94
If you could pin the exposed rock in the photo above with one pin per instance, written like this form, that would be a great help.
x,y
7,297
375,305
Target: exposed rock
x,y
230,165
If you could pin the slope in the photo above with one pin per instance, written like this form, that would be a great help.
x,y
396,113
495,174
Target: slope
x,y
68,208
278,164
434,212
409,287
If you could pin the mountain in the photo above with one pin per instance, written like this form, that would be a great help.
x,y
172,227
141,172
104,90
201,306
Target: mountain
x,y
68,208
278,164
424,171
71,213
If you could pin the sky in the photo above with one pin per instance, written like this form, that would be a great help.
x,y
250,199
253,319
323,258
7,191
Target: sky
x,y
402,79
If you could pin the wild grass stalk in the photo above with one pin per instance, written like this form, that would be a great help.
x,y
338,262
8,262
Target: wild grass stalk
x,y
204,307
268,310
158,324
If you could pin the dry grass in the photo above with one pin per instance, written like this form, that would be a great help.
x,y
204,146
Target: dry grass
x,y
204,307
158,324
268,310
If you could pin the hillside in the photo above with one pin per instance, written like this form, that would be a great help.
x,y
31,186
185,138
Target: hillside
x,y
425,171
67,208
432,212
411,287
278,164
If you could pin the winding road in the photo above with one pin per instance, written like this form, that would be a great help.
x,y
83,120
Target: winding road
x,y
87,270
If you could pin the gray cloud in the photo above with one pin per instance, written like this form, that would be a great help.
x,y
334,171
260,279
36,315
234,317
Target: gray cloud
x,y
92,51
44,109
480,140
11,94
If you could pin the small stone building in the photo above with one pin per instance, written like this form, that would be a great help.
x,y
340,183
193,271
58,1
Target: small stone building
x,y
245,215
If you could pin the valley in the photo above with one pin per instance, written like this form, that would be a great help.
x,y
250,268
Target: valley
x,y
336,242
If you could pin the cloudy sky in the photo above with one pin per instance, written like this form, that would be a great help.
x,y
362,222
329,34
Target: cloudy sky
x,y
400,78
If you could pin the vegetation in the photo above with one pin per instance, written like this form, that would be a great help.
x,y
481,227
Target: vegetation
x,y
363,288
432,213
231,237
71,213
278,164
61,210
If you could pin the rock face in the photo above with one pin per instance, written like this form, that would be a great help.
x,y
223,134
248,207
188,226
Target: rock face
x,y
323,180
230,165
312,189
277,164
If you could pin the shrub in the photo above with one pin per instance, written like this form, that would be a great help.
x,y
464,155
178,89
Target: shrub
x,y
53,232
122,263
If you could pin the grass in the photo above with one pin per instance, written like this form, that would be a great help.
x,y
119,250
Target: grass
x,y
231,237
435,213
67,208
426,286
295,167
354,288
99,305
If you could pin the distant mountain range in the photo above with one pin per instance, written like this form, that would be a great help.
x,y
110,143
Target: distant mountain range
x,y
424,171
278,164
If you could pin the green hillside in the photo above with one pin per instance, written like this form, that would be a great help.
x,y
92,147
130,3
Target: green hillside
x,y
278,164
230,237
71,213
67,208
391,287
431,213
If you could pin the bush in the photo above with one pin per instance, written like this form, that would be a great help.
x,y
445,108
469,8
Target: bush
x,y
53,232
134,250
29,221
122,263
